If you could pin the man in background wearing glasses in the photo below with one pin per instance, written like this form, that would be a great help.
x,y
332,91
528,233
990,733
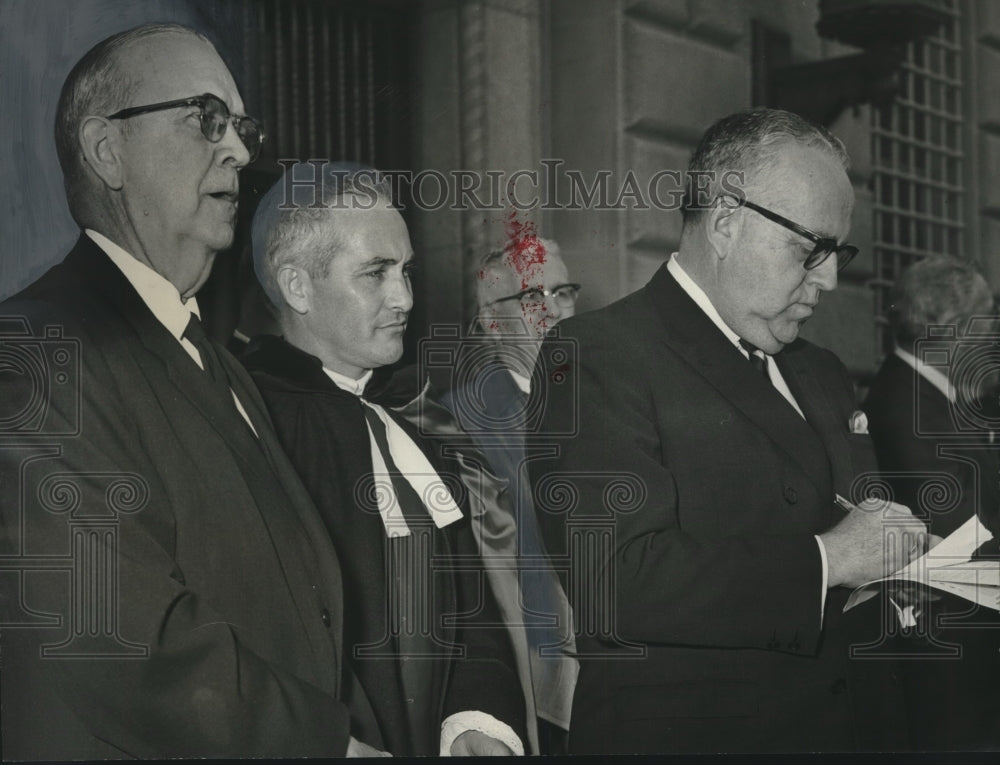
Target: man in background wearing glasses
x,y
522,292
178,595
712,619
932,410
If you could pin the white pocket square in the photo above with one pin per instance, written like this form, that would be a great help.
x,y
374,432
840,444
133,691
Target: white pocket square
x,y
859,423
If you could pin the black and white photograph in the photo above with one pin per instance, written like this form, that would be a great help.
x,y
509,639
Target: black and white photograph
x,y
399,378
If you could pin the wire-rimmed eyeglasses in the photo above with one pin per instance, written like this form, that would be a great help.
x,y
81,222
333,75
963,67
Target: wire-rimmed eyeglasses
x,y
565,295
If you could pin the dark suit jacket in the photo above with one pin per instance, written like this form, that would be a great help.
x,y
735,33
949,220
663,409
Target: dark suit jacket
x,y
916,437
686,506
205,602
495,412
323,430
944,475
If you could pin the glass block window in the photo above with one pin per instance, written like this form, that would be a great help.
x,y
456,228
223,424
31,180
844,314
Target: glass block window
x,y
918,154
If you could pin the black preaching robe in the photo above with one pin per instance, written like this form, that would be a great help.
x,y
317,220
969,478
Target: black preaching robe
x,y
470,666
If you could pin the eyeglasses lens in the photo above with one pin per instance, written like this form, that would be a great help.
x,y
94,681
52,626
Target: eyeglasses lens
x,y
565,296
215,117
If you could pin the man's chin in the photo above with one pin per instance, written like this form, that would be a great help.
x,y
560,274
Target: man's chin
x,y
223,241
391,356
784,335
217,235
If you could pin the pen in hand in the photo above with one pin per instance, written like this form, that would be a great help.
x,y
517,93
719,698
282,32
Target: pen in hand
x,y
843,503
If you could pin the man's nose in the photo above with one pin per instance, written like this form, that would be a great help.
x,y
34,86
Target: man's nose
x,y
231,147
400,297
824,276
553,309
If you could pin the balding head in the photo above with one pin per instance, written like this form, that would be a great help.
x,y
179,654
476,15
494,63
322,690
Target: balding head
x,y
98,85
737,148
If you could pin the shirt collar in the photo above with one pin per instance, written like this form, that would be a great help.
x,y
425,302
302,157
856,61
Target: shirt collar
x,y
697,294
933,375
523,383
157,292
355,387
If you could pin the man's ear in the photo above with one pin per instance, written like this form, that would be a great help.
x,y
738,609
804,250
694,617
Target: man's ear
x,y
101,144
722,225
296,288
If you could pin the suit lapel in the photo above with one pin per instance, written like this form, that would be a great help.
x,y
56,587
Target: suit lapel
x,y
166,358
502,397
693,336
825,416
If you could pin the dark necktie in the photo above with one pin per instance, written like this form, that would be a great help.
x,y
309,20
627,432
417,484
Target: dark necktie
x,y
757,359
195,334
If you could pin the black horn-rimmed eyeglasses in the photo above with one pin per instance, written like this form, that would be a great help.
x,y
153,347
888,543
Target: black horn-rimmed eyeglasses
x,y
824,245
215,118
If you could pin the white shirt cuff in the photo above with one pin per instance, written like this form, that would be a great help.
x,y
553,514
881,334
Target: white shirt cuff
x,y
826,579
460,722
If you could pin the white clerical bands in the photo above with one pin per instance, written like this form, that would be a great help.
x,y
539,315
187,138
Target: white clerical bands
x,y
418,472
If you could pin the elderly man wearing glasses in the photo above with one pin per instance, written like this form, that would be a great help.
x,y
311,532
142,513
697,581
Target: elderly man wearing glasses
x,y
523,291
710,611
174,589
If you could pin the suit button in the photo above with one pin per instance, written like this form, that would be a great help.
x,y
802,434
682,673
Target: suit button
x,y
325,616
791,496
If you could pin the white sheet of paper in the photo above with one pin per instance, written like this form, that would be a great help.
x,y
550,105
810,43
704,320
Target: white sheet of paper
x,y
947,567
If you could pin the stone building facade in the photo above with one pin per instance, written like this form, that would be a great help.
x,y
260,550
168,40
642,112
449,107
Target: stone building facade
x,y
570,90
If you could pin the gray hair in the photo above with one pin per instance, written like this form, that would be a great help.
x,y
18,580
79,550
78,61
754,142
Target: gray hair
x,y
739,146
936,290
288,224
97,85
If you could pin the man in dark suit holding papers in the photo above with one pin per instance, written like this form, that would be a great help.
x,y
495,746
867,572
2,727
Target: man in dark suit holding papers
x,y
714,622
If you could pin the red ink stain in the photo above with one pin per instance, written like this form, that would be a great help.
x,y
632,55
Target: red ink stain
x,y
559,373
525,250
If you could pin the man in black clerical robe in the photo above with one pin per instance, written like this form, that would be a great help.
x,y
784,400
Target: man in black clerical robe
x,y
423,634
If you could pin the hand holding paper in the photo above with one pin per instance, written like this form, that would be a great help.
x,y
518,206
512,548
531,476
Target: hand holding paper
x,y
948,567
873,539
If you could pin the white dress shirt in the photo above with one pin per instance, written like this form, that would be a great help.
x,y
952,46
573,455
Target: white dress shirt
x,y
162,299
697,294
523,383
933,375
